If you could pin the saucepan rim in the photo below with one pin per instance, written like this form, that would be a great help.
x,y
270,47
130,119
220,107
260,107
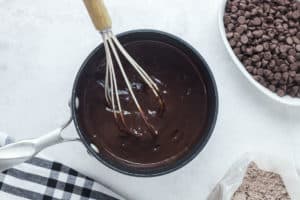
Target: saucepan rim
x,y
151,172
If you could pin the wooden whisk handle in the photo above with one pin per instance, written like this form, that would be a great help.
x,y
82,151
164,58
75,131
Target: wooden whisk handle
x,y
99,14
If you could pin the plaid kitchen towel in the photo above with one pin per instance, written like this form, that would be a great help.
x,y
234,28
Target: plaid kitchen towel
x,y
42,179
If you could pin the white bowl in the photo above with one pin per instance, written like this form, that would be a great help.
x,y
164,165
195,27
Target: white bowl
x,y
285,100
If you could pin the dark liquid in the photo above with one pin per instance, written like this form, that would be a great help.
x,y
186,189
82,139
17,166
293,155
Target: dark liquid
x,y
179,127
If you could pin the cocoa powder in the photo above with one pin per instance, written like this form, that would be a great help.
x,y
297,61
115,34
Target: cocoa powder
x,y
261,185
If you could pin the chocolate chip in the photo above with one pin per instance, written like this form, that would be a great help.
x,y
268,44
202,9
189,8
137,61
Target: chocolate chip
x,y
270,77
272,88
294,66
240,29
236,36
230,26
296,40
259,48
258,65
297,78
283,48
283,55
273,46
269,19
249,51
267,56
297,56
250,69
234,9
296,89
289,40
272,63
280,92
244,39
277,76
293,31
249,34
266,46
296,14
298,35
260,72
242,20
237,51
290,80
247,14
283,86
265,36
254,72
255,58
240,56
229,35
232,42
284,68
256,21
271,33
285,76
243,48
227,19
258,33
291,59
267,72
259,78
293,73
281,38
292,52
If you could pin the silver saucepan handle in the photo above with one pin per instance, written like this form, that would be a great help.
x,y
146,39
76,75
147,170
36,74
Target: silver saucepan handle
x,y
19,152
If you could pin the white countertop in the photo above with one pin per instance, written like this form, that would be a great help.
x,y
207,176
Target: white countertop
x,y
42,45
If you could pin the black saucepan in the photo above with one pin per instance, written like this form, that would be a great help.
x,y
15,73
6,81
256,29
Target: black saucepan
x,y
212,94
24,150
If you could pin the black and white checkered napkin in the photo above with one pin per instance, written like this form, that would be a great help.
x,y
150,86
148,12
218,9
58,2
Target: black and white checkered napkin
x,y
42,179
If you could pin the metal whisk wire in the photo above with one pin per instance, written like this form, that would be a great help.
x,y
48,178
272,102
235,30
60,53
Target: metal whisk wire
x,y
112,44
103,24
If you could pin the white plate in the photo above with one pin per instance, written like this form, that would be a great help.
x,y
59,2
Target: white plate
x,y
285,100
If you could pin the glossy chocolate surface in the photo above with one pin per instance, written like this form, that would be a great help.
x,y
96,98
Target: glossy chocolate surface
x,y
180,126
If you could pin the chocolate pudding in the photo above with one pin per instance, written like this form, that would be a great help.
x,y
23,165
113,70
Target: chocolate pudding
x,y
181,124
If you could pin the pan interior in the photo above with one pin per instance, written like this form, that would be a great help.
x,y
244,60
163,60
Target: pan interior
x,y
184,126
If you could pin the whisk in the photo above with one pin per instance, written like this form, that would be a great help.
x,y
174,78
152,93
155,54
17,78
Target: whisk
x,y
103,24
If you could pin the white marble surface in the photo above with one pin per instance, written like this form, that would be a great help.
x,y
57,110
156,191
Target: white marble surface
x,y
42,45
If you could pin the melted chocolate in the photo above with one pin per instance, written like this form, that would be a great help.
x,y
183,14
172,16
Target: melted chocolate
x,y
179,127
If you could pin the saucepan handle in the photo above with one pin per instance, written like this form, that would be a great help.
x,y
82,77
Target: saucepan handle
x,y
19,152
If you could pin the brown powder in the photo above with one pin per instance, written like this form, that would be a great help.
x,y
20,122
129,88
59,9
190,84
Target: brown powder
x,y
261,185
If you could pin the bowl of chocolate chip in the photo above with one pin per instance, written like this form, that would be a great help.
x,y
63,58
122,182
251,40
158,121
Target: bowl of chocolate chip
x,y
183,127
263,39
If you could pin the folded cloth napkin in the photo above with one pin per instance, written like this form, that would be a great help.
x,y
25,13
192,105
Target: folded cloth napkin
x,y
43,179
